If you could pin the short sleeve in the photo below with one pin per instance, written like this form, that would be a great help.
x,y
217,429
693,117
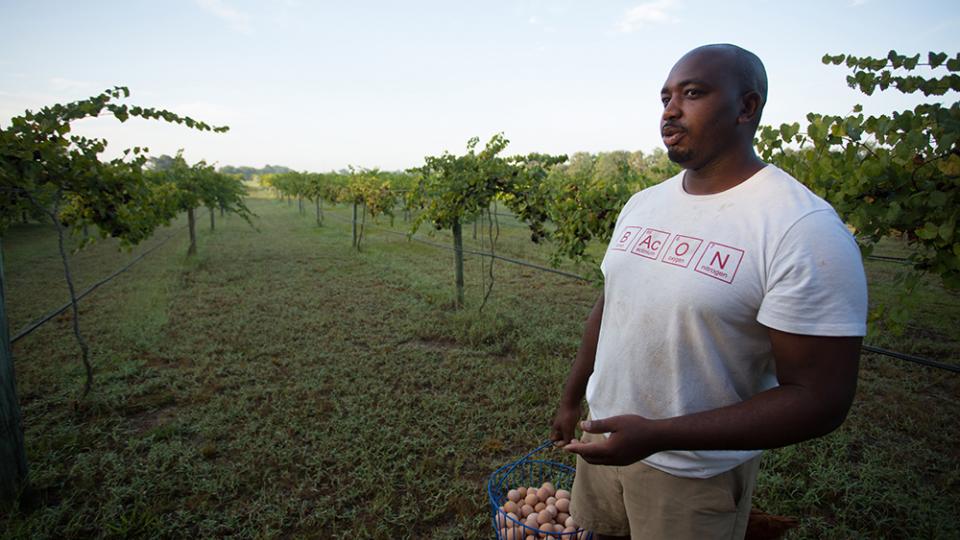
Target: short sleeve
x,y
815,282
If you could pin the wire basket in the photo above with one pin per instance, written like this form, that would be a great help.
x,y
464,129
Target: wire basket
x,y
528,472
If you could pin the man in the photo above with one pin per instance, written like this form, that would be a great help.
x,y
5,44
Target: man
x,y
731,319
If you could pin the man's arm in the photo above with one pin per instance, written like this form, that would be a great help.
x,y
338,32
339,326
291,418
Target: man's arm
x,y
818,378
568,412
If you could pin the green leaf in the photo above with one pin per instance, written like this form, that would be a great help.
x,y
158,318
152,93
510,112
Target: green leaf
x,y
929,231
937,198
947,229
935,59
953,64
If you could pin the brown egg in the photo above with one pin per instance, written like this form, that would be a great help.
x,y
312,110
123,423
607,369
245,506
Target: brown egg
x,y
563,494
563,505
568,530
562,518
531,521
511,533
553,510
501,519
570,522
522,491
513,495
526,510
544,517
551,500
543,493
511,507
531,499
550,489
539,506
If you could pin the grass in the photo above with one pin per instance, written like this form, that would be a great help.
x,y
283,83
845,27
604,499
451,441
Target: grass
x,y
282,385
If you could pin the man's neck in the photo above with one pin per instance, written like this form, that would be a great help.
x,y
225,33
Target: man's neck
x,y
722,174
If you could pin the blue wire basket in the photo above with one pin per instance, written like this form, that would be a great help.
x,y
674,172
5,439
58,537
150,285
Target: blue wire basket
x,y
528,472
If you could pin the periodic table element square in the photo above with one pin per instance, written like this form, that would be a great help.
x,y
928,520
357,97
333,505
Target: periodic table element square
x,y
720,261
681,250
628,235
650,244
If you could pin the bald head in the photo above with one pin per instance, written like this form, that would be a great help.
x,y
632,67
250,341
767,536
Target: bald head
x,y
746,67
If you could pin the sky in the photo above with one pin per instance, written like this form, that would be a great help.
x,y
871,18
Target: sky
x,y
318,86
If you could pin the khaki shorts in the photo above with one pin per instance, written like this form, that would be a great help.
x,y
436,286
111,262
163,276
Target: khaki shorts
x,y
644,502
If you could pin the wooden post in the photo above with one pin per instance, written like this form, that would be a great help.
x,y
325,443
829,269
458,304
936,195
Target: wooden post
x,y
354,223
458,257
192,221
13,459
211,219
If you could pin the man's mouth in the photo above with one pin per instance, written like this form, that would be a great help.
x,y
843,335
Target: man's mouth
x,y
671,135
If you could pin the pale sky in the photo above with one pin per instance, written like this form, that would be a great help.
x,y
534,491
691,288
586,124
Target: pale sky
x,y
322,85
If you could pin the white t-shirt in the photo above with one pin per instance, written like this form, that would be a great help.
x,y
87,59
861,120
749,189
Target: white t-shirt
x,y
691,284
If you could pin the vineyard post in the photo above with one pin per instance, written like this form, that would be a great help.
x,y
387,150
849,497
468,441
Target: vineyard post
x,y
191,220
212,228
458,255
354,223
319,223
13,460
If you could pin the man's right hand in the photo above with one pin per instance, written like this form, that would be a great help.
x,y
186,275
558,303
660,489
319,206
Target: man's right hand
x,y
564,424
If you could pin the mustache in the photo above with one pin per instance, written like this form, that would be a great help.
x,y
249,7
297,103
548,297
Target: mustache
x,y
670,128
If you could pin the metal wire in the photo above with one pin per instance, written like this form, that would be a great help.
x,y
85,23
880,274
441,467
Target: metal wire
x,y
25,331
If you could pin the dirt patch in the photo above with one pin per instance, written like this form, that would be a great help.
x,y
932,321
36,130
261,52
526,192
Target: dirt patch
x,y
150,419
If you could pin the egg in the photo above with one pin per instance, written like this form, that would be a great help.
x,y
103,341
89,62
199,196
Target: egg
x,y
531,499
540,506
553,510
550,489
511,533
551,500
522,491
511,507
501,519
543,493
563,505
570,523
563,494
562,518
513,495
532,521
544,517
526,510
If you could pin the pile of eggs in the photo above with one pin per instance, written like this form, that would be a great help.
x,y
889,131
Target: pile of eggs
x,y
544,510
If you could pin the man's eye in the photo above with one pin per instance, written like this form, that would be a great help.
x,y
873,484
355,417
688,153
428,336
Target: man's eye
x,y
693,92
665,100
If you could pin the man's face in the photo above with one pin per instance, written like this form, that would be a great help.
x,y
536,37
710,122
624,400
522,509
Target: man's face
x,y
701,104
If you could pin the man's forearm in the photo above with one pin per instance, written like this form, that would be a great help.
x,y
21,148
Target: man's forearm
x,y
777,417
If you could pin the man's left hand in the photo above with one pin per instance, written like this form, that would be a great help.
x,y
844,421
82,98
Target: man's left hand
x,y
631,439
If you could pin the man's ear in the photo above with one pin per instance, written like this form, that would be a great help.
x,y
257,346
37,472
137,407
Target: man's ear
x,y
751,104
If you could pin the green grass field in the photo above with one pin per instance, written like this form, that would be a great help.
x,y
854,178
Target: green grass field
x,y
283,385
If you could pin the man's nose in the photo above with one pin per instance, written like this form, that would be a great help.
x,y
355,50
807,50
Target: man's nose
x,y
671,110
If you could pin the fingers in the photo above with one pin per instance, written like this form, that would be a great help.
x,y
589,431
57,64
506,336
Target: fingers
x,y
603,425
597,453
